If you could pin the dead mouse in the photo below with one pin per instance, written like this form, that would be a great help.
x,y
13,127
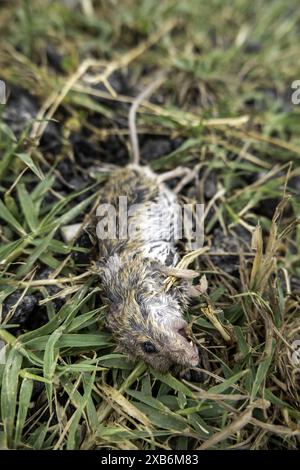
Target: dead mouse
x,y
145,319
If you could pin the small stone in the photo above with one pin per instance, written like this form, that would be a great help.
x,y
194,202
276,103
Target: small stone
x,y
23,310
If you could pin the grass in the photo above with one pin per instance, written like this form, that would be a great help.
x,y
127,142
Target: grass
x,y
227,103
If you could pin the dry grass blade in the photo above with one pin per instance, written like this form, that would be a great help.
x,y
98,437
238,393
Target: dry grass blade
x,y
236,425
114,396
210,314
184,263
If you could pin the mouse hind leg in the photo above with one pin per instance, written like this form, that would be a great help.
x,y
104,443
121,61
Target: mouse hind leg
x,y
185,174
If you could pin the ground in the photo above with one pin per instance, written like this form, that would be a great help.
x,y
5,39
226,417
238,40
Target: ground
x,y
72,68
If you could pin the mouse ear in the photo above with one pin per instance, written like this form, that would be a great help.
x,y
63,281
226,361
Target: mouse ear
x,y
184,291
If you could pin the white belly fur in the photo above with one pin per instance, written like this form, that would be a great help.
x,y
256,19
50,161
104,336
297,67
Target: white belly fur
x,y
156,224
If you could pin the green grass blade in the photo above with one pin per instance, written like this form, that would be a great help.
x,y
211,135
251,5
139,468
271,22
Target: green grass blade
x,y
9,218
28,207
9,391
24,402
50,360
260,376
30,164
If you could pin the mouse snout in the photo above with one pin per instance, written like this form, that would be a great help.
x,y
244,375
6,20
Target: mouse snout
x,y
190,350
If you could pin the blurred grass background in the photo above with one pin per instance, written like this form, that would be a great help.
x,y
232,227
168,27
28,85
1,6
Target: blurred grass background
x,y
72,68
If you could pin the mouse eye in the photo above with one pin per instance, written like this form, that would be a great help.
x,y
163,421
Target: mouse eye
x,y
149,347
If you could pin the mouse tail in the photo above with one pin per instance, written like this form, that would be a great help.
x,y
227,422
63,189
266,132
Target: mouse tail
x,y
146,93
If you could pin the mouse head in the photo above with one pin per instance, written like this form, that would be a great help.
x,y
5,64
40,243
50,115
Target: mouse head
x,y
146,322
153,330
